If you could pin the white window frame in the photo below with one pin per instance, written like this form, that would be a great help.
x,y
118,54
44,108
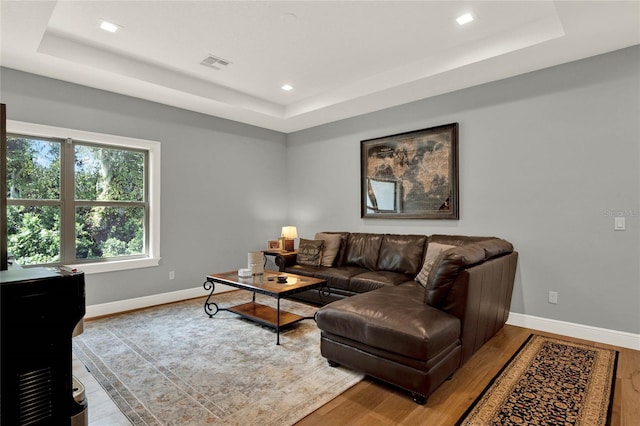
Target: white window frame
x,y
153,149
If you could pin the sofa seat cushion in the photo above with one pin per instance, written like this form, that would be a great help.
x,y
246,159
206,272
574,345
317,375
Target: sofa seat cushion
x,y
338,277
306,270
394,319
375,279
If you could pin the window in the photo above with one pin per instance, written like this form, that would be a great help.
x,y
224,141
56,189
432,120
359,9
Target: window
x,y
33,200
81,198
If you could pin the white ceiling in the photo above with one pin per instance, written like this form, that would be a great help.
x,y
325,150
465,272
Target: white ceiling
x,y
344,58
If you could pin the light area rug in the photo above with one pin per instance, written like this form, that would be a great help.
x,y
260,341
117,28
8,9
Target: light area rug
x,y
173,365
549,382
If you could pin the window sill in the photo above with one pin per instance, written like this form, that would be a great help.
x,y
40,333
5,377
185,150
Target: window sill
x,y
117,265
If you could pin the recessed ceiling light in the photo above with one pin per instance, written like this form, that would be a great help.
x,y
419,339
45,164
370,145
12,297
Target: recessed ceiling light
x,y
109,26
464,19
287,87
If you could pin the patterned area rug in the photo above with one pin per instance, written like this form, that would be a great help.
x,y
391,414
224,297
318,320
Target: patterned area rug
x,y
549,382
173,365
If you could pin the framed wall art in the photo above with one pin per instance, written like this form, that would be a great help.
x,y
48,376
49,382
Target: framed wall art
x,y
412,175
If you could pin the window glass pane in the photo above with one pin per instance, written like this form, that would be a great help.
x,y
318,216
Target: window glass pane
x,y
106,174
33,169
103,232
33,234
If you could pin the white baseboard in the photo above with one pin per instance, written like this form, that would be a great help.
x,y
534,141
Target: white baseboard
x,y
579,331
111,308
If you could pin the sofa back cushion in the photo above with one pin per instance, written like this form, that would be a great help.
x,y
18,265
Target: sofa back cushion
x,y
344,236
446,269
401,253
449,264
430,258
362,250
457,240
331,248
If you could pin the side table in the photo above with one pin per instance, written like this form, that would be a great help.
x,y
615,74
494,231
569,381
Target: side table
x,y
274,253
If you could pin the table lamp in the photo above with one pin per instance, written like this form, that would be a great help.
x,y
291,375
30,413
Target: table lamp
x,y
288,234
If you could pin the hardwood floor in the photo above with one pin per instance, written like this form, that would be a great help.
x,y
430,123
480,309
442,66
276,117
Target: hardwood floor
x,y
374,403
102,411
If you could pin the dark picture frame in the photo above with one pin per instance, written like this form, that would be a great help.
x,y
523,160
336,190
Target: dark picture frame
x,y
411,175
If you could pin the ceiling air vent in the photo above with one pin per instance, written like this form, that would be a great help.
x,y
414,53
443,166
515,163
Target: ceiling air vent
x,y
214,62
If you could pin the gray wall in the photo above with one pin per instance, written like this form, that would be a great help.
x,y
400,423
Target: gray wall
x,y
545,160
221,194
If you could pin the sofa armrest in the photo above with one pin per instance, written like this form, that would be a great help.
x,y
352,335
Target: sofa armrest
x,y
284,260
481,298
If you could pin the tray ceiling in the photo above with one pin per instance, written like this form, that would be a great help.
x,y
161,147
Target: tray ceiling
x,y
342,58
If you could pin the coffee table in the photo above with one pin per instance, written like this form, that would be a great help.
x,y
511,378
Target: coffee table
x,y
266,284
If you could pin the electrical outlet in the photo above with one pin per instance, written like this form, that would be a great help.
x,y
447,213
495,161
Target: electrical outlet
x,y
553,297
172,275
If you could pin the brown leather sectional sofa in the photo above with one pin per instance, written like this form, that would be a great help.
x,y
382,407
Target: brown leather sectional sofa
x,y
384,323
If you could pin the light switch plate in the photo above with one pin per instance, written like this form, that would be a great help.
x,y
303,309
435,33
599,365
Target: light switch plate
x,y
619,224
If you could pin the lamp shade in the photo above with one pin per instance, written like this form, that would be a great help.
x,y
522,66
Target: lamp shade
x,y
289,232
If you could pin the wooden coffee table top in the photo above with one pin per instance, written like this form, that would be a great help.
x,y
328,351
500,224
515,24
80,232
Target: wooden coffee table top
x,y
267,283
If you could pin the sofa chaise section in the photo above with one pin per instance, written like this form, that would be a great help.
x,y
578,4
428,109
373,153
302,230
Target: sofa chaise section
x,y
416,336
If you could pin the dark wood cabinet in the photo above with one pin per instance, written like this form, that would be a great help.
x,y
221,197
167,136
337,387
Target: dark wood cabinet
x,y
40,309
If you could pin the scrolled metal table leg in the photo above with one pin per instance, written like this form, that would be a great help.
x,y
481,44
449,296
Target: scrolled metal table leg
x,y
323,292
210,308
